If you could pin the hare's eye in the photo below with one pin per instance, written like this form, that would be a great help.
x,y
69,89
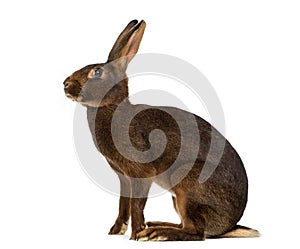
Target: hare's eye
x,y
97,73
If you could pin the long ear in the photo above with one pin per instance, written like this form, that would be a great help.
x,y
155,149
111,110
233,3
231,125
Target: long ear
x,y
128,42
118,44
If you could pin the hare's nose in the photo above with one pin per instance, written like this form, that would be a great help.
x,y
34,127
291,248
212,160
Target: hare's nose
x,y
67,84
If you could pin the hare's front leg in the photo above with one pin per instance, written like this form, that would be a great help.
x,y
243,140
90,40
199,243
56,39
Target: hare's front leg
x,y
139,193
121,223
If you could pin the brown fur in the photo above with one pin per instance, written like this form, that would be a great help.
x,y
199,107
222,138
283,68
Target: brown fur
x,y
206,209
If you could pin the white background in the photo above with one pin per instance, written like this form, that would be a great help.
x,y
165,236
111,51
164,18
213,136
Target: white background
x,y
249,51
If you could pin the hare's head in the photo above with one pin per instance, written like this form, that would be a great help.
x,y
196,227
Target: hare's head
x,y
106,83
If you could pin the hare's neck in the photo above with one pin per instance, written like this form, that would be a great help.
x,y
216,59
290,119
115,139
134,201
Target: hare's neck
x,y
91,117
100,117
99,120
116,94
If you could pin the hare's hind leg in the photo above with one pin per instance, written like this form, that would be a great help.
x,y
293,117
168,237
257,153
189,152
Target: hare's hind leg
x,y
162,224
192,227
167,234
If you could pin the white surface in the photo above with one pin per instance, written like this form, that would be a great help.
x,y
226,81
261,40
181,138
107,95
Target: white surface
x,y
250,53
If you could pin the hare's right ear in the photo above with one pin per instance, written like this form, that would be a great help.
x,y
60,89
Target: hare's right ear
x,y
128,42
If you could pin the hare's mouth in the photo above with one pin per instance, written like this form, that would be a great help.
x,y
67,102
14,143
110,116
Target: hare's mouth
x,y
80,98
70,96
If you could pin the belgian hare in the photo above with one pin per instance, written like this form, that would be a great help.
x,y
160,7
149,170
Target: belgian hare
x,y
209,208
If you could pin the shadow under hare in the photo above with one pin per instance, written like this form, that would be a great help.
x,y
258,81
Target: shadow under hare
x,y
148,144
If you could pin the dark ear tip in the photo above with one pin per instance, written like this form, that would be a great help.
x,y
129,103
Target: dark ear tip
x,y
133,22
136,22
142,23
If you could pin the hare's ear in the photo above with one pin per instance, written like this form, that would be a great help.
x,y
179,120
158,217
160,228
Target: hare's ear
x,y
128,42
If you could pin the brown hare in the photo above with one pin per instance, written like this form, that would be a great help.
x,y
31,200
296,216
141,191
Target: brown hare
x,y
207,209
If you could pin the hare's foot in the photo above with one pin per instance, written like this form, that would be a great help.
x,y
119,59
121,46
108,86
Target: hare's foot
x,y
162,224
167,234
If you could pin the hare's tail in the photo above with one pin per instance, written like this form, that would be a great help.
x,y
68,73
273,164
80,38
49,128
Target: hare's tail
x,y
241,232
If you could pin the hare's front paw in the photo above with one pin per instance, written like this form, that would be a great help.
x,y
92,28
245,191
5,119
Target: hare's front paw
x,y
119,228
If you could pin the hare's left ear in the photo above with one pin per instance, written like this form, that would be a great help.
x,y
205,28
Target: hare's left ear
x,y
128,42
